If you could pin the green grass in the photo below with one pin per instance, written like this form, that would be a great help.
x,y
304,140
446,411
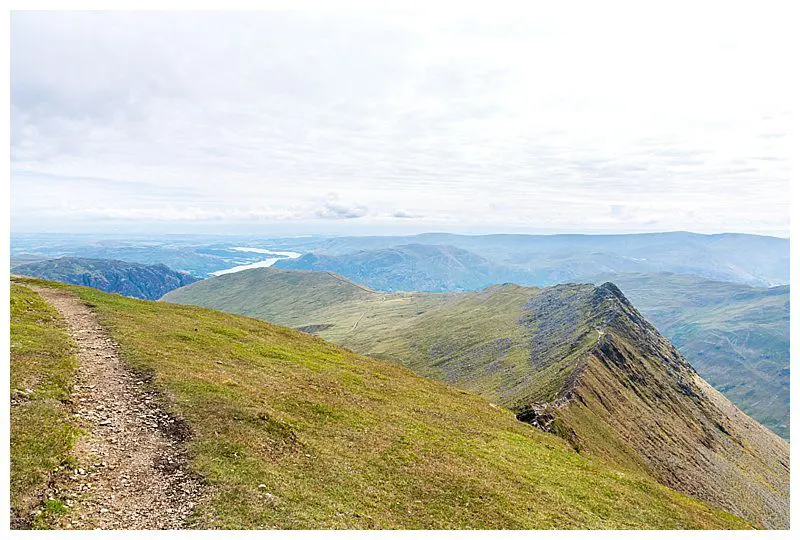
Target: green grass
x,y
291,431
42,373
736,336
520,346
642,408
470,340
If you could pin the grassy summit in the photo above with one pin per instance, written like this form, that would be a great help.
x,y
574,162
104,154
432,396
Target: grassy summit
x,y
291,431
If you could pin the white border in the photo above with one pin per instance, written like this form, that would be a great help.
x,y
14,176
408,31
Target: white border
x,y
185,5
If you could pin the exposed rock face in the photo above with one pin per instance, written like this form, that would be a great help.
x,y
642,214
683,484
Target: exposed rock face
x,y
634,399
126,278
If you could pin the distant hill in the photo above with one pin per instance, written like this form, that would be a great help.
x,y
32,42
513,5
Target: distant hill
x,y
736,336
291,432
149,282
412,267
575,360
26,258
561,258
530,259
199,257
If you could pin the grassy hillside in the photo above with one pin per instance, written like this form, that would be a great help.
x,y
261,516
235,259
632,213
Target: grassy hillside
x,y
293,432
131,279
553,356
42,373
637,393
736,336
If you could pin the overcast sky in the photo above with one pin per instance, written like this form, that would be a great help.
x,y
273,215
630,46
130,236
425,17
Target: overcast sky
x,y
279,122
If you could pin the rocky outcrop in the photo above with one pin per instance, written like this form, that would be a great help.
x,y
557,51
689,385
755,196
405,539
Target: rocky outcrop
x,y
149,282
635,400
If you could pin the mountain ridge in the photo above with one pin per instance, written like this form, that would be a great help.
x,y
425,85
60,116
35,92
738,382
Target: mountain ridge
x,y
575,352
735,335
289,431
621,364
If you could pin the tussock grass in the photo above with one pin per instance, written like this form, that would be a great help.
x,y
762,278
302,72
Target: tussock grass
x,y
42,373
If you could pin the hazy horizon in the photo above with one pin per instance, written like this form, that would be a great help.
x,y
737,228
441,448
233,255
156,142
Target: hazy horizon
x,y
264,235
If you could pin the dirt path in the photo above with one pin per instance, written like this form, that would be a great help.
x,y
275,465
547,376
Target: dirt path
x,y
132,472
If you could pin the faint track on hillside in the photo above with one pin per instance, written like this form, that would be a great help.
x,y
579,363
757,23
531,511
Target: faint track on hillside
x,y
358,321
133,472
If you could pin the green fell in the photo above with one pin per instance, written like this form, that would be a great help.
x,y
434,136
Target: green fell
x,y
291,431
736,336
576,360
42,374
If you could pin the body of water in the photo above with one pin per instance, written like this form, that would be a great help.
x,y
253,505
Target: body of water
x,y
260,264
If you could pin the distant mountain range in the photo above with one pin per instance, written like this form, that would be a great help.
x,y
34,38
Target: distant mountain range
x,y
540,259
575,360
414,267
562,258
149,282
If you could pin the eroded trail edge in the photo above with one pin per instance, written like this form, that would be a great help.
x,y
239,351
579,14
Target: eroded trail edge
x,y
133,472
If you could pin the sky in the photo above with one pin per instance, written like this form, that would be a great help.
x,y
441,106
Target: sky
x,y
386,121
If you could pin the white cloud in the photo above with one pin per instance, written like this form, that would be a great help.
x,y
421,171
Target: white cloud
x,y
333,208
669,119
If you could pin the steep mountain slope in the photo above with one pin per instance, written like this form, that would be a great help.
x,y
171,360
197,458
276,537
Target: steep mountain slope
x,y
736,336
560,258
637,393
290,431
130,279
412,267
575,359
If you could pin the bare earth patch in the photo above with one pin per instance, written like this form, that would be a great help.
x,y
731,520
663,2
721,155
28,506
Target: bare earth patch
x,y
133,472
